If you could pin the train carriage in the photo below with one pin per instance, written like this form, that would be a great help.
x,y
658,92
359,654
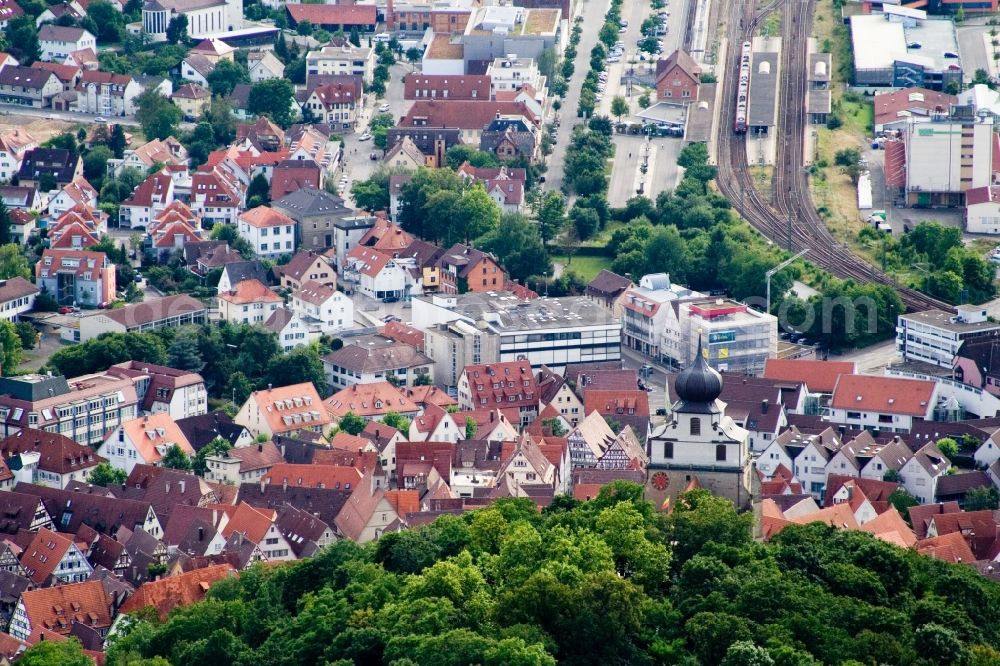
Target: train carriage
x,y
743,90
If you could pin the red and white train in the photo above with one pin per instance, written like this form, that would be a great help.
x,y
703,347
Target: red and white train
x,y
743,91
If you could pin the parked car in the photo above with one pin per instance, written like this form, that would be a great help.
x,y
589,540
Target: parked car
x,y
384,108
65,309
391,299
365,137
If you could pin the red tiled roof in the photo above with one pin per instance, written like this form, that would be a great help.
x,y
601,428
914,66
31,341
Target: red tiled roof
x,y
918,101
890,395
313,475
333,14
980,195
617,403
262,216
177,591
818,375
501,385
55,608
369,400
456,87
250,291
462,114
948,547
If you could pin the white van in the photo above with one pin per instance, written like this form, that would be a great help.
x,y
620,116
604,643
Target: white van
x,y
382,37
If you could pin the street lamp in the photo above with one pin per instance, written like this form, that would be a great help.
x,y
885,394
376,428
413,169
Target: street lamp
x,y
777,268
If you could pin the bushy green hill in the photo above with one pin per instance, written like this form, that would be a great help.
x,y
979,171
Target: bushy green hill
x,y
605,582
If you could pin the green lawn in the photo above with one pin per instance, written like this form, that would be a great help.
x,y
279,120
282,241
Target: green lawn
x,y
586,267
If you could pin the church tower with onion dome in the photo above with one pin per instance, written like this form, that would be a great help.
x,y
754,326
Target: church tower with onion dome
x,y
700,444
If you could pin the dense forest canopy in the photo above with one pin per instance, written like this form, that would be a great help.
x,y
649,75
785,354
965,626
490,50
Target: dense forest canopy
x,y
610,581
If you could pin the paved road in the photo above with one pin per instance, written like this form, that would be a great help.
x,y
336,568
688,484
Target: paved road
x,y
873,359
593,12
49,114
357,162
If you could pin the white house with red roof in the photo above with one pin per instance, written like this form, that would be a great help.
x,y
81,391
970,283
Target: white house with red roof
x,y
249,302
144,440
921,473
284,410
216,196
323,307
147,201
436,425
377,274
337,105
269,232
887,404
14,143
77,192
982,210
508,385
77,228
505,185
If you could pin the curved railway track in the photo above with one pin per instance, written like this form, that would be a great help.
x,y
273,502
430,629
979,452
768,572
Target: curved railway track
x,y
789,219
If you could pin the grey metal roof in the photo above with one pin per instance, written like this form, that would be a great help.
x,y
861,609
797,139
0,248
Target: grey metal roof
x,y
763,90
308,202
818,101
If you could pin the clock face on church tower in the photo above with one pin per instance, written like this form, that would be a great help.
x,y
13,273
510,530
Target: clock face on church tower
x,y
660,481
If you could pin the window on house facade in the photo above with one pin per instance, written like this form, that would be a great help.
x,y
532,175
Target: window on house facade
x,y
695,426
720,452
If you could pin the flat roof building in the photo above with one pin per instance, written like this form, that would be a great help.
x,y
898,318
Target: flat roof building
x,y
898,51
546,331
935,336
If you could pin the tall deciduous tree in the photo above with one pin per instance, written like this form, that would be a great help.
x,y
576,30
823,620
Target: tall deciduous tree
x,y
156,114
273,98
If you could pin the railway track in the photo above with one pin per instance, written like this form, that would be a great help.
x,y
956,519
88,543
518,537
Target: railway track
x,y
789,218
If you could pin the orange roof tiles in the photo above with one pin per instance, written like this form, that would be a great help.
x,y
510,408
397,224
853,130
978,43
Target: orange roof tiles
x,y
948,547
369,400
251,522
818,375
291,408
250,291
169,593
55,608
151,433
890,395
313,476
44,554
262,216
404,501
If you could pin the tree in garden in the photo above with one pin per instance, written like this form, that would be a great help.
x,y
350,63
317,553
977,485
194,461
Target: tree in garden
x,y
4,224
67,652
978,499
217,446
351,423
156,114
301,365
105,475
902,500
470,427
273,98
226,75
551,215
948,446
177,29
22,38
238,388
619,107
117,142
258,192
175,458
397,421
517,244
184,353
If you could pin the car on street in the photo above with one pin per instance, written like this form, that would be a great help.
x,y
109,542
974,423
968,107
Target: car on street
x,y
65,309
384,108
365,137
391,299
100,119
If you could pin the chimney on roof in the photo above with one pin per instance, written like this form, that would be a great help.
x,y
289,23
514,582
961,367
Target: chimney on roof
x,y
168,487
201,533
284,484
180,484
763,406
260,448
